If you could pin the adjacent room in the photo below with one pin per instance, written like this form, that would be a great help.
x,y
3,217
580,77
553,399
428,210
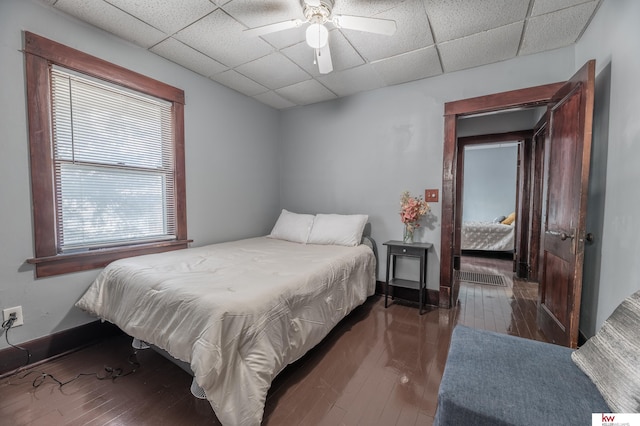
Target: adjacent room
x,y
301,212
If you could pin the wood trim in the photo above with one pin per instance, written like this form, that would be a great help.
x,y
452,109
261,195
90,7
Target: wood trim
x,y
55,345
495,138
40,151
537,182
40,54
74,59
448,185
63,263
179,172
520,98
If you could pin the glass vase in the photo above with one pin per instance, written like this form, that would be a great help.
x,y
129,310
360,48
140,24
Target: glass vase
x,y
407,236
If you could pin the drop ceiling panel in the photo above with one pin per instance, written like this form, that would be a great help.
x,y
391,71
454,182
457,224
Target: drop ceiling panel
x,y
254,13
286,38
343,55
306,92
219,36
159,14
354,80
410,66
483,48
188,57
274,100
556,29
103,15
412,33
239,82
207,36
273,71
540,7
453,19
363,7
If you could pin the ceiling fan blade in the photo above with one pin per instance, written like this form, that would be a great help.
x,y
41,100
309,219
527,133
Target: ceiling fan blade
x,y
370,25
323,57
272,28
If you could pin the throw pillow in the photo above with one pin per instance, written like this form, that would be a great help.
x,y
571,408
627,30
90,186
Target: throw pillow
x,y
611,358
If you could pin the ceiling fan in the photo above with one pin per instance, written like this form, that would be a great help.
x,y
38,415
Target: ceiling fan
x,y
317,13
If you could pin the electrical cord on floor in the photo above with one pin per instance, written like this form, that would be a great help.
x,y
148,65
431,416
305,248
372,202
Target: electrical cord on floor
x,y
109,372
6,325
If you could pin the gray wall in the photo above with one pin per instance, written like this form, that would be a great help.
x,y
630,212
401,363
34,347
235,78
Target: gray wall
x,y
231,163
355,154
358,154
611,264
489,182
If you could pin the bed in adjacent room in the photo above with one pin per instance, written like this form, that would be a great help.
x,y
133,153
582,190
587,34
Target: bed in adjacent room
x,y
241,311
487,236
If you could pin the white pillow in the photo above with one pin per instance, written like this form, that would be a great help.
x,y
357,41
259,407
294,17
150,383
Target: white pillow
x,y
292,227
343,230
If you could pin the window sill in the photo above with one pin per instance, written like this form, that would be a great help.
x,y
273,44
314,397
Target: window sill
x,y
66,263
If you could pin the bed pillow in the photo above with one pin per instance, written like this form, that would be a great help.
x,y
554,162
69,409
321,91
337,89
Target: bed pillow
x,y
509,219
338,229
611,357
293,227
499,219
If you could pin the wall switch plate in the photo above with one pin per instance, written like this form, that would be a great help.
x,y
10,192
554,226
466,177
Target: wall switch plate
x,y
6,314
431,195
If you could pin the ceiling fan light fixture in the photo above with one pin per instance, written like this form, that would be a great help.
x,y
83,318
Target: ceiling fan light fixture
x,y
317,35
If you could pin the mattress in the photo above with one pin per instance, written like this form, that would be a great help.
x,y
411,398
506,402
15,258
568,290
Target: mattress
x,y
237,312
487,236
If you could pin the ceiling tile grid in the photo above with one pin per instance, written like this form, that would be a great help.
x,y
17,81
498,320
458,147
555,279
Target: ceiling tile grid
x,y
421,63
343,54
238,82
490,46
278,69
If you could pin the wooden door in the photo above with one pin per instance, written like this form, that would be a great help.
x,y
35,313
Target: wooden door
x,y
564,222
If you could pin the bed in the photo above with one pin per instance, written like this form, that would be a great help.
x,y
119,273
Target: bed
x,y
236,312
487,236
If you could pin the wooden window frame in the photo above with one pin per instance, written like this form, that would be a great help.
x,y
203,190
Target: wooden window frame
x,y
40,54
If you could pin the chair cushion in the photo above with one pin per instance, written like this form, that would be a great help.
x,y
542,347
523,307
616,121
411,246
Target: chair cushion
x,y
497,379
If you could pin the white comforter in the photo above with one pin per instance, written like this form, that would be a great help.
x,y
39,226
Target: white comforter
x,y
238,312
487,236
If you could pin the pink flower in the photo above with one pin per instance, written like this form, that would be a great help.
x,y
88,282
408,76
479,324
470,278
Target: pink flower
x,y
412,209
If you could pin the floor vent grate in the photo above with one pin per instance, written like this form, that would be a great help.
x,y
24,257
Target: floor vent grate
x,y
481,278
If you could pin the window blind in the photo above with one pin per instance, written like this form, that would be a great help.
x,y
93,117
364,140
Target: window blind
x,y
113,164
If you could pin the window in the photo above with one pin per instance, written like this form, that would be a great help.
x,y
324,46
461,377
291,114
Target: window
x,y
107,160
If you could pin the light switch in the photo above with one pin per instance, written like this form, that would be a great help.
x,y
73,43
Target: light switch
x,y
431,195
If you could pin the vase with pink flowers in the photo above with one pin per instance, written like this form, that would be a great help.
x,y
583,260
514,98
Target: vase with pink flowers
x,y
412,209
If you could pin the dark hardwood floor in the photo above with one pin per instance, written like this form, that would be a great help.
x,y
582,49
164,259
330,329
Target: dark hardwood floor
x,y
377,367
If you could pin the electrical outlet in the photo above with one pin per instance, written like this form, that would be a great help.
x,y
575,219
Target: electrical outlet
x,y
6,314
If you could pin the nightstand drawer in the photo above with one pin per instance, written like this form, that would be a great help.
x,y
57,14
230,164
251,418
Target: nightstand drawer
x,y
406,251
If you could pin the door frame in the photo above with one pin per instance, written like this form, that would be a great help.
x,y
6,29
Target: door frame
x,y
450,233
523,139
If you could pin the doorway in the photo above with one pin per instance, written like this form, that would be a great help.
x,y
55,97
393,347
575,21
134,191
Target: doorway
x,y
492,185
567,142
450,238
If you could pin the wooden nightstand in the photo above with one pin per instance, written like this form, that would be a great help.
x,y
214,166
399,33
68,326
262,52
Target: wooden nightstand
x,y
398,248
